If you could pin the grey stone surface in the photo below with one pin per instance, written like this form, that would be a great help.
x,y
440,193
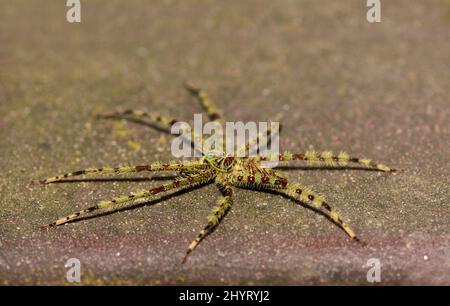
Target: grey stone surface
x,y
337,83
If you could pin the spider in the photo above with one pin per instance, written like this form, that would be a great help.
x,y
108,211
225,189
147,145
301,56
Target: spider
x,y
227,172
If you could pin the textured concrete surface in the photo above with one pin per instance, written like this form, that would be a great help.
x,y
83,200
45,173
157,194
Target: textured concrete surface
x,y
336,81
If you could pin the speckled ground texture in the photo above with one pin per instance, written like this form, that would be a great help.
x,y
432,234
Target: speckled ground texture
x,y
335,81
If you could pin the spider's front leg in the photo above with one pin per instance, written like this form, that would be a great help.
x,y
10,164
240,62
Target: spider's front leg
x,y
275,181
219,211
122,200
328,158
173,166
166,121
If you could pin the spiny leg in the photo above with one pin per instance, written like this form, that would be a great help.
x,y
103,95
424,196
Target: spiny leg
x,y
223,205
118,201
252,146
293,190
247,175
211,110
306,195
328,158
166,121
172,166
266,140
213,114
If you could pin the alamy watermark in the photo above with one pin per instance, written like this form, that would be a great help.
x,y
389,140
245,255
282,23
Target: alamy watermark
x,y
374,11
374,273
73,274
235,139
74,12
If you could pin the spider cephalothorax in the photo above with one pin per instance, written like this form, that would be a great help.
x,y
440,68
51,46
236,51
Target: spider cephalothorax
x,y
227,172
221,164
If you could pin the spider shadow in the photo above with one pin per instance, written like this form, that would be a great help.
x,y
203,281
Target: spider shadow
x,y
139,205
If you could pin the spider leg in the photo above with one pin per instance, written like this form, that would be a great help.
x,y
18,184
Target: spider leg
x,y
164,120
211,110
174,166
275,180
266,139
252,146
329,158
119,201
186,173
219,211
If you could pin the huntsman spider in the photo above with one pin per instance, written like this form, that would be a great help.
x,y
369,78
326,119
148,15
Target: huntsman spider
x,y
226,172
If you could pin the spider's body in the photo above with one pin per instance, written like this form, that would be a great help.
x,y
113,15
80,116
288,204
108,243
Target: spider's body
x,y
221,164
227,172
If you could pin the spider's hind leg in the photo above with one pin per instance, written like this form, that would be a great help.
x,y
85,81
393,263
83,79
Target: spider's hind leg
x,y
114,203
166,121
306,195
219,211
123,200
276,181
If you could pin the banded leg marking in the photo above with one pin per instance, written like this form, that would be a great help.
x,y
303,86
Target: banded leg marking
x,y
329,158
121,200
172,166
305,194
154,117
223,205
165,120
250,149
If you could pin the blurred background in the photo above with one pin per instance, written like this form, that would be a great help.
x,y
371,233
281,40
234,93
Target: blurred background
x,y
335,82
